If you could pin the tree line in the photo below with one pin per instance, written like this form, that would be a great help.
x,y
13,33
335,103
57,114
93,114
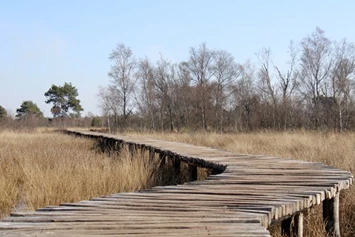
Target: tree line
x,y
211,91
65,105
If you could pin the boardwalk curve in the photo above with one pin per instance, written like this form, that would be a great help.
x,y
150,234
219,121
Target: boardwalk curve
x,y
243,200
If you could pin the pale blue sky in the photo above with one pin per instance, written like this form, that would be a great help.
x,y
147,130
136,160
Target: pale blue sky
x,y
52,42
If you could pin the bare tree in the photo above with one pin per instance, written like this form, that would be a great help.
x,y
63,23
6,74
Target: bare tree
x,y
110,105
121,73
266,85
200,67
245,98
315,89
316,64
183,96
146,100
342,79
288,82
225,72
164,85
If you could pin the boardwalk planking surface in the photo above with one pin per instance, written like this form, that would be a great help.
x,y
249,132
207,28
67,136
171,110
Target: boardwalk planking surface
x,y
252,192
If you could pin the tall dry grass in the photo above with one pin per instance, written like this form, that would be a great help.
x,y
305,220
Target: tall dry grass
x,y
38,169
330,148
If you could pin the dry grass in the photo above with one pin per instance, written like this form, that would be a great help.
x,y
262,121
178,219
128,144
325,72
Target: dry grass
x,y
331,148
41,168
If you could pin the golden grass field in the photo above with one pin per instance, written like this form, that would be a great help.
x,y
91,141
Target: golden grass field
x,y
330,148
44,168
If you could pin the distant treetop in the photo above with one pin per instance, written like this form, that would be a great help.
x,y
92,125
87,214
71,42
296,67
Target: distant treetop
x,y
28,108
64,100
3,112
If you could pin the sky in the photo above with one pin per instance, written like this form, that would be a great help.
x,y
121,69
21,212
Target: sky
x,y
51,42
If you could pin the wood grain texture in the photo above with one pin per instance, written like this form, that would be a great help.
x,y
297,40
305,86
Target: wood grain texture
x,y
252,192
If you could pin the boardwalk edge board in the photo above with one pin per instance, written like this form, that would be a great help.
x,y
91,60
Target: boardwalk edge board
x,y
242,197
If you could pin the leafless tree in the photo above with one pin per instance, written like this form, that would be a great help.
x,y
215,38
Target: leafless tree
x,y
183,96
164,74
110,105
315,88
225,72
200,66
316,65
245,98
266,86
146,98
342,79
122,75
288,82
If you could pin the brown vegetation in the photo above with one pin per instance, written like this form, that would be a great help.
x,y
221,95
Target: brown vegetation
x,y
43,168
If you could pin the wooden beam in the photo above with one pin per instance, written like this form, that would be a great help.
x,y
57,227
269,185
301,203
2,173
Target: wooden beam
x,y
331,216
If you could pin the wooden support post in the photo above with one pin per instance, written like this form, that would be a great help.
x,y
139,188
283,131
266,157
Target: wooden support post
x,y
110,144
106,145
119,146
331,216
298,225
176,164
192,173
151,154
168,161
286,227
161,160
142,148
293,226
162,156
131,149
99,145
116,148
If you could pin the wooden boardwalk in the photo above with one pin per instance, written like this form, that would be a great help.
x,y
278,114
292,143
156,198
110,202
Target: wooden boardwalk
x,y
252,192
